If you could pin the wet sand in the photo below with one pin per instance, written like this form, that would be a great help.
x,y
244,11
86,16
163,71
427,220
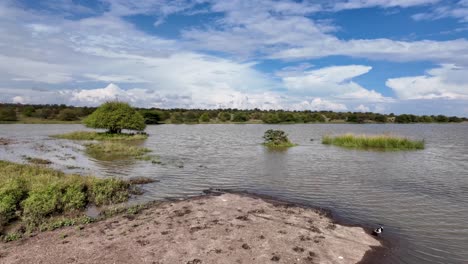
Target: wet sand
x,y
228,228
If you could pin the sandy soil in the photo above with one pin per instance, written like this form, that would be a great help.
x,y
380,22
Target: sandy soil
x,y
229,228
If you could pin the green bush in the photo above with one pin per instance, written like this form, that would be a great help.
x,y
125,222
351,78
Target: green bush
x,y
74,197
276,138
41,203
108,191
11,193
8,114
115,116
224,116
37,193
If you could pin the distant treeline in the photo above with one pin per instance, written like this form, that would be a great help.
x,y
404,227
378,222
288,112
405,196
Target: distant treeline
x,y
50,113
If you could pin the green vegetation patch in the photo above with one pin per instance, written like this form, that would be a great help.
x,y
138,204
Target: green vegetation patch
x,y
277,139
91,135
107,149
34,194
379,142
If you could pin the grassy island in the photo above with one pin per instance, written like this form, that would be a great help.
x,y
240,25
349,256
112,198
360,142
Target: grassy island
x,y
277,139
34,196
378,142
115,149
92,135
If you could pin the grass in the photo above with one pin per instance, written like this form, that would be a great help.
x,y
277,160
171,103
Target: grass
x,y
35,194
92,135
379,142
281,145
108,149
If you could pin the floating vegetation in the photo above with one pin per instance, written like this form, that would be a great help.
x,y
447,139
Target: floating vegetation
x,y
91,135
379,142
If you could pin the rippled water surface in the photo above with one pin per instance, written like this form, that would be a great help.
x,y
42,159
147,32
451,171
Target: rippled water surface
x,y
421,197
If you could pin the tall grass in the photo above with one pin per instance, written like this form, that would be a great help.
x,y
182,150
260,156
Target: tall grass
x,y
380,142
108,149
32,194
92,135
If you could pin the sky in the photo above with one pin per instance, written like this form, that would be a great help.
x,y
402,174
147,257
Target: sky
x,y
386,56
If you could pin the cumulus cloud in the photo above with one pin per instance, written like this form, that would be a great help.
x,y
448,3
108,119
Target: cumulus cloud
x,y
362,108
334,81
448,82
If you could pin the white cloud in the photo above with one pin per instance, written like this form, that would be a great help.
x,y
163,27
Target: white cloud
x,y
448,82
362,108
458,10
355,4
334,81
317,104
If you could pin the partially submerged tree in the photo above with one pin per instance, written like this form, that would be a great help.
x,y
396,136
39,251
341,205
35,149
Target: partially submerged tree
x,y
115,116
276,138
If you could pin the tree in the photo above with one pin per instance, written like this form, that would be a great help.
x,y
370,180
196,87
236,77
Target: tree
x,y
68,114
276,138
115,116
224,116
8,114
239,117
204,117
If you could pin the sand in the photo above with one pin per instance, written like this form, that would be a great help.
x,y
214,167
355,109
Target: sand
x,y
229,228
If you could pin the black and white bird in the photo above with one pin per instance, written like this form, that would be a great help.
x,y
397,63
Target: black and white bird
x,y
378,231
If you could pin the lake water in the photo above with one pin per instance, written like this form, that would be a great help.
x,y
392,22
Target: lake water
x,y
421,197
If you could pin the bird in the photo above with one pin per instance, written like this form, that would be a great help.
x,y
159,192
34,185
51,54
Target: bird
x,y
378,231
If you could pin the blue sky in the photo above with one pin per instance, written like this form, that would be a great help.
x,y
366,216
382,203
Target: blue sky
x,y
400,56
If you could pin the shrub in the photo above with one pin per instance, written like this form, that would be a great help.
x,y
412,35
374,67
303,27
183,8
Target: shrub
x,y
108,191
204,117
74,197
41,203
8,114
67,114
115,116
224,116
11,194
37,193
276,138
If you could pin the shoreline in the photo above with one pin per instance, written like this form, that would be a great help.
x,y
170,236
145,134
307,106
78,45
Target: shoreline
x,y
209,218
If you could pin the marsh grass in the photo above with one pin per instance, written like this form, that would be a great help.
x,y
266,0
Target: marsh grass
x,y
33,194
109,150
379,142
92,135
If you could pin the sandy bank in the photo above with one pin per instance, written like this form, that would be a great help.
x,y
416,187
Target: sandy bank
x,y
229,228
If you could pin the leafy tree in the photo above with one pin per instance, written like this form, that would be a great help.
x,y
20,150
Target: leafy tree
x,y
276,138
204,117
224,116
380,118
239,117
68,114
8,114
115,116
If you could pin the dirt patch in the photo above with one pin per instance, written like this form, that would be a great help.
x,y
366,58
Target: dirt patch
x,y
200,230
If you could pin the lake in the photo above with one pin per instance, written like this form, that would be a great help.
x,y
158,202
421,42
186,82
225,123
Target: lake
x,y
421,197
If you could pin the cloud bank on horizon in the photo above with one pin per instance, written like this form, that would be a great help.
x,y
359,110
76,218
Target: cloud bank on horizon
x,y
401,56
